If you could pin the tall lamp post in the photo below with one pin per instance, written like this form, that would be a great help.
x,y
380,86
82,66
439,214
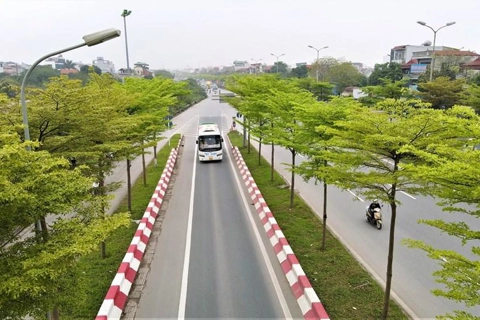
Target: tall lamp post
x,y
432,65
277,58
89,40
125,14
318,53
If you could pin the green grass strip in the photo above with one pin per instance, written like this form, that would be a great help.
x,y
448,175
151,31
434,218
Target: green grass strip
x,y
345,288
95,274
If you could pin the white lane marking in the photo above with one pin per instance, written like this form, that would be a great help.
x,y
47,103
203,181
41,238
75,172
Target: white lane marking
x,y
408,195
356,196
276,284
188,245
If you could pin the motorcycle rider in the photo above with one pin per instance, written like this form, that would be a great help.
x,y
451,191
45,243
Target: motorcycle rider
x,y
373,206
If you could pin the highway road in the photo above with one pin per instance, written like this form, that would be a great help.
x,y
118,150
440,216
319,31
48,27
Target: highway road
x,y
412,270
212,257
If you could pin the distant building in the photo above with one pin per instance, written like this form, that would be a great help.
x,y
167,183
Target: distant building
x,y
12,68
141,69
104,65
240,65
57,62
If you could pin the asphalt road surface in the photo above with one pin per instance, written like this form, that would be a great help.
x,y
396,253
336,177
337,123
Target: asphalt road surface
x,y
212,258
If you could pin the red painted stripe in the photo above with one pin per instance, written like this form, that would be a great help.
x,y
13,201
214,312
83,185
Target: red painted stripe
x,y
130,275
279,246
101,318
120,300
319,311
112,292
303,280
286,266
292,259
270,233
297,290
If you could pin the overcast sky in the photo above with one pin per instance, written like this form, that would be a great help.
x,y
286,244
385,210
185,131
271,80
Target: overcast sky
x,y
195,33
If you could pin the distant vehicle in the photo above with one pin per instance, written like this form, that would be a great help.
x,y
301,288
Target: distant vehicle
x,y
209,141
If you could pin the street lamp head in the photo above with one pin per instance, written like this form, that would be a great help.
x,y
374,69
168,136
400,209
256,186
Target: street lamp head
x,y
126,13
311,47
422,23
450,23
101,36
326,47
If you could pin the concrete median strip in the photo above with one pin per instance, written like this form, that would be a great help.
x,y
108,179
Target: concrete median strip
x,y
116,297
306,297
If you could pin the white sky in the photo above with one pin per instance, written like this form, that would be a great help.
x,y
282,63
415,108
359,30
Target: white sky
x,y
202,33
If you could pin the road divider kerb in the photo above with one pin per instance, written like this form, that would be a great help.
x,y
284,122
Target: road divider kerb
x,y
116,298
301,287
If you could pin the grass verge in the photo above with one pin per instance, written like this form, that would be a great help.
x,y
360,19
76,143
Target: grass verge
x,y
345,288
96,274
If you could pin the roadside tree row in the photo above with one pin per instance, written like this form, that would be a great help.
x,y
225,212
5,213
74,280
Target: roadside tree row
x,y
394,143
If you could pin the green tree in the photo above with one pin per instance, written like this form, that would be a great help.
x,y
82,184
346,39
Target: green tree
x,y
69,64
471,97
323,65
164,74
280,67
320,90
314,142
87,69
368,151
36,270
344,75
40,75
453,173
387,90
390,71
442,92
287,130
299,72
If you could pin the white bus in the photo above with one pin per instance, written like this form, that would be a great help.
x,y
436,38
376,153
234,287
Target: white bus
x,y
209,141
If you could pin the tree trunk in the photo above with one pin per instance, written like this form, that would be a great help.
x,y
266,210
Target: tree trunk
x,y
144,170
44,228
129,187
249,139
259,150
273,162
391,244
324,236
244,133
55,314
292,187
273,156
155,150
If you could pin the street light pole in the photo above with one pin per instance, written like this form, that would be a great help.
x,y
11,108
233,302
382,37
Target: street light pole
x,y
125,14
432,64
318,53
277,58
89,40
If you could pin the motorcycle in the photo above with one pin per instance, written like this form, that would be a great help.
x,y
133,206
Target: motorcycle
x,y
375,217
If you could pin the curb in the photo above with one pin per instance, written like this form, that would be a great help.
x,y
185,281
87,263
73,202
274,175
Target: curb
x,y
306,297
117,296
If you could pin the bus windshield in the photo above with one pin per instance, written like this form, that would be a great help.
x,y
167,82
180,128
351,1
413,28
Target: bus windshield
x,y
209,143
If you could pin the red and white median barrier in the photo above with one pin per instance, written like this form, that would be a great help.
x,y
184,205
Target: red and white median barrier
x,y
306,297
116,298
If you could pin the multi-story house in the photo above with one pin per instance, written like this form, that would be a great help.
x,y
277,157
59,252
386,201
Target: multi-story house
x,y
57,62
405,53
105,65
